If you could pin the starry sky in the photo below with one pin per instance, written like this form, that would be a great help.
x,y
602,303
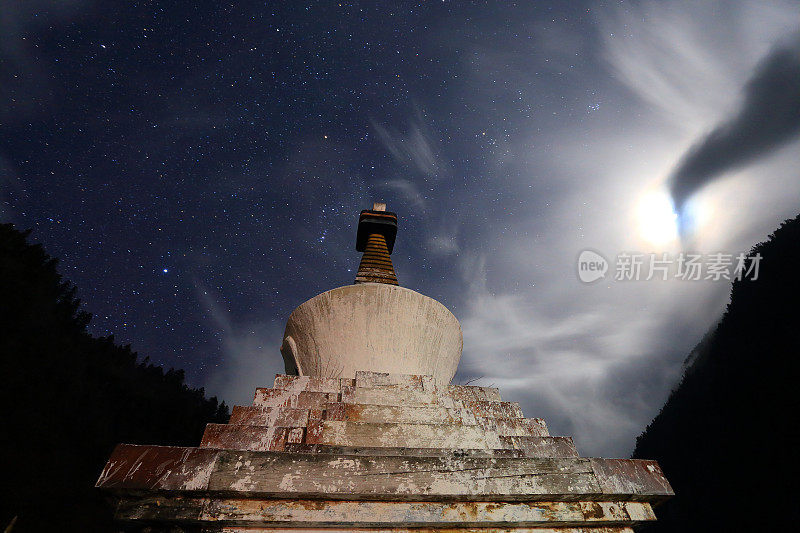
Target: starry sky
x,y
198,168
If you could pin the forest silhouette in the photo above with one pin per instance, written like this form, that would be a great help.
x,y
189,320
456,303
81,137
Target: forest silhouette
x,y
727,436
68,398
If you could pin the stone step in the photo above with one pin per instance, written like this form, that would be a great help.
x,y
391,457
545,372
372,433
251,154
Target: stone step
x,y
394,405
347,433
311,384
276,399
436,440
206,472
403,452
271,416
424,414
491,409
401,529
367,379
545,446
381,414
385,382
253,438
286,398
474,393
363,379
517,427
542,447
429,414
453,397
397,397
388,514
264,438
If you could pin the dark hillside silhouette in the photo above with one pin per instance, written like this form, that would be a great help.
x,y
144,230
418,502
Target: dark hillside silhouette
x,y
67,398
728,435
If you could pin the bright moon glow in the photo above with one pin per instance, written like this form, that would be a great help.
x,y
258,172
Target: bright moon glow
x,y
656,218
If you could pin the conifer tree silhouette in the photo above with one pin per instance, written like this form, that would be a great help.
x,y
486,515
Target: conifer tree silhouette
x,y
67,398
728,433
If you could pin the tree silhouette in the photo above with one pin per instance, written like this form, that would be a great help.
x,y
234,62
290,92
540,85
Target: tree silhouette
x,y
727,436
68,398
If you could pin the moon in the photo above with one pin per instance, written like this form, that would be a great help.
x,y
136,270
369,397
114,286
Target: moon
x,y
656,219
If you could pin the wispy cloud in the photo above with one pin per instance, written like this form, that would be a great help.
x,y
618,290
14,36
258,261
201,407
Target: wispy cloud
x,y
442,244
416,148
409,191
585,358
418,154
250,352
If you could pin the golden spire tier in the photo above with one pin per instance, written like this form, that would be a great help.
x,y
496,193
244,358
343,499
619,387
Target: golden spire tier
x,y
377,229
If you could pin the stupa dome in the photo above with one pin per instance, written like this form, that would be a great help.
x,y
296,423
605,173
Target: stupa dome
x,y
375,327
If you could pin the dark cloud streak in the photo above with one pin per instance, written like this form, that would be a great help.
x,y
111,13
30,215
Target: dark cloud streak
x,y
768,118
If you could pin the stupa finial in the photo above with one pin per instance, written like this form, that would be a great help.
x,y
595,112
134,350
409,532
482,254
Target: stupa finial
x,y
377,229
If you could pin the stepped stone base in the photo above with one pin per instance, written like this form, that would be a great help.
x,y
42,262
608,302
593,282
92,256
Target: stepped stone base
x,y
381,452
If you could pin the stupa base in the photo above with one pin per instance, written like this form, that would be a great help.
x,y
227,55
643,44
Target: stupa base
x,y
380,452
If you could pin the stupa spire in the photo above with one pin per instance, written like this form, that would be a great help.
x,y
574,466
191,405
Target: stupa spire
x,y
377,229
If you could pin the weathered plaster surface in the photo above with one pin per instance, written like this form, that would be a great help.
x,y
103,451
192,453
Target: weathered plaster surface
x,y
379,452
372,326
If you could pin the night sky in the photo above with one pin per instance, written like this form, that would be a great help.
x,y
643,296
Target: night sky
x,y
199,171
